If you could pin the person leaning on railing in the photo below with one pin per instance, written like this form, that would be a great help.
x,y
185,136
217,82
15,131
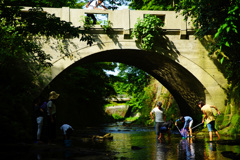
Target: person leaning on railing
x,y
94,4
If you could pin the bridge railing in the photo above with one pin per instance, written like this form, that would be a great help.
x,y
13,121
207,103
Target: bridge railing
x,y
125,20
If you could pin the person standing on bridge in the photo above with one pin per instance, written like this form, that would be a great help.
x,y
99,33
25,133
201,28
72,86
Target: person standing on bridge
x,y
210,119
51,118
94,4
160,118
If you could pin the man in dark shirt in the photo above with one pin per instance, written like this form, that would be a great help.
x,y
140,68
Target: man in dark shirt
x,y
165,128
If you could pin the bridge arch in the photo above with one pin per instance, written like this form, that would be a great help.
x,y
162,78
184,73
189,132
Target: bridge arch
x,y
181,75
185,87
181,64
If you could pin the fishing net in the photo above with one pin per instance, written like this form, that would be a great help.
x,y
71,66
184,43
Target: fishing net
x,y
184,132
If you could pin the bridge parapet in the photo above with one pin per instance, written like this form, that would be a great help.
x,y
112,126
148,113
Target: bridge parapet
x,y
125,20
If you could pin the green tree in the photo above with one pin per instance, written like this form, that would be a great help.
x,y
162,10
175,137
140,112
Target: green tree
x,y
132,83
21,61
221,19
153,4
42,3
85,90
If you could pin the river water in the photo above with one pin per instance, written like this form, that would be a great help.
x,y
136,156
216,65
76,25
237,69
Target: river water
x,y
137,143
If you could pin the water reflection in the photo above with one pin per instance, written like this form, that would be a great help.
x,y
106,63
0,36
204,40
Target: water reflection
x,y
135,144
186,149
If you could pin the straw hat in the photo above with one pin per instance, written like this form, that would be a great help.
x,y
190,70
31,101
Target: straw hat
x,y
53,95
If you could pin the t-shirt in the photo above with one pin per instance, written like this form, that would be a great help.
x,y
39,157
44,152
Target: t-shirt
x,y
158,114
208,110
187,119
38,112
94,4
50,104
65,127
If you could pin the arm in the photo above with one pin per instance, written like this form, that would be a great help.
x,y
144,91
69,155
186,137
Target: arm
x,y
87,4
176,122
204,117
216,109
105,8
151,114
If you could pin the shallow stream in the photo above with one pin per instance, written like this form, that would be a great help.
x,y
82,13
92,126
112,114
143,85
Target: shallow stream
x,y
137,143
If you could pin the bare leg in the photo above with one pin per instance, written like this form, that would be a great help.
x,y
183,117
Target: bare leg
x,y
190,129
160,136
217,135
210,136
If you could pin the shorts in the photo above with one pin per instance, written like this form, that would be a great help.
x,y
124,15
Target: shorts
x,y
189,124
211,126
163,129
158,126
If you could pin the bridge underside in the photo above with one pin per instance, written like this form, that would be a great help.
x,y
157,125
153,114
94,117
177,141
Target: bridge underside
x,y
185,88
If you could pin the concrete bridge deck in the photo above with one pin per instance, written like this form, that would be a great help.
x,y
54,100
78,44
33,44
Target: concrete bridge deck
x,y
124,20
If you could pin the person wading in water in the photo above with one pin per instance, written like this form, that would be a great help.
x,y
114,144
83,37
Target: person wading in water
x,y
210,119
160,118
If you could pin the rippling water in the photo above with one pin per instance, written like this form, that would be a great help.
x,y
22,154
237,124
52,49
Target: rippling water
x,y
133,143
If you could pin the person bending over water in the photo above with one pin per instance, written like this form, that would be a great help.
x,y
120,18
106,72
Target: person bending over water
x,y
188,121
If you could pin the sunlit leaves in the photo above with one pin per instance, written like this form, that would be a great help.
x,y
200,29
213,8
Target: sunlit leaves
x,y
153,4
222,19
132,83
147,31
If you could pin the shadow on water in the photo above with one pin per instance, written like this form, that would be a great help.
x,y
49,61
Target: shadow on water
x,y
128,143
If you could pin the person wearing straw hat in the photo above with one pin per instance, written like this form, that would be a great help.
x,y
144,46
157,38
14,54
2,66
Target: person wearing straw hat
x,y
51,116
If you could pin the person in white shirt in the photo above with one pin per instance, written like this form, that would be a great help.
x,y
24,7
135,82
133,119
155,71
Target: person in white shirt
x,y
94,4
160,118
67,131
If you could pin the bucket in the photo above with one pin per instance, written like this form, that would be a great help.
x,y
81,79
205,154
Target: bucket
x,y
67,143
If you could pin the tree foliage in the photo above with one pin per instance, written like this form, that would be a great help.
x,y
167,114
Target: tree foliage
x,y
22,59
220,18
85,88
153,4
41,3
132,83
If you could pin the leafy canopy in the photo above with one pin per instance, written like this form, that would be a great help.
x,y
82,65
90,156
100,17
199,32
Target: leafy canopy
x,y
221,19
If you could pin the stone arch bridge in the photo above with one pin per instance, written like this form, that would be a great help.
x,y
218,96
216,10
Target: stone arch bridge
x,y
181,63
